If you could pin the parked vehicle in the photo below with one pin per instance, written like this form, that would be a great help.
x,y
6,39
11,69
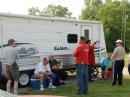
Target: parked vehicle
x,y
39,36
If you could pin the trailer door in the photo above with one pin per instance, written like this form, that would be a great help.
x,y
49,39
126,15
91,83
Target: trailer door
x,y
87,31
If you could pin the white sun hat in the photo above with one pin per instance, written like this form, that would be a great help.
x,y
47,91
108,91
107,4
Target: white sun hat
x,y
118,41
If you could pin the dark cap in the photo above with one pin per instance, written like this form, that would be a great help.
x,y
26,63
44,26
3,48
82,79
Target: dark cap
x,y
87,41
11,41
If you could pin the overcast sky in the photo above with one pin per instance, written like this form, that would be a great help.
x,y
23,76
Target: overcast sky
x,y
21,6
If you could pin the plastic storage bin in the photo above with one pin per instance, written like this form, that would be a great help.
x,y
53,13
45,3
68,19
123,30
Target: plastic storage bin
x,y
35,83
109,74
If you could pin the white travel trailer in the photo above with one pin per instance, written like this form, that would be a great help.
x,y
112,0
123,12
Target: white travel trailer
x,y
39,36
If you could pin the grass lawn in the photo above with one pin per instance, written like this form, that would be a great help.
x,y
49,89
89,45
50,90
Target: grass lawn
x,y
98,88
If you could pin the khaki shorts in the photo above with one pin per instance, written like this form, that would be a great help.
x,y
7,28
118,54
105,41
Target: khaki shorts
x,y
45,75
12,73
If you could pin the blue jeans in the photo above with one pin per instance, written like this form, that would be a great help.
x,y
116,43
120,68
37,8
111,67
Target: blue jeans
x,y
52,76
82,78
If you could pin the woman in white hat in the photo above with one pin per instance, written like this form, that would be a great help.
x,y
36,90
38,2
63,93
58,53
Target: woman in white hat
x,y
118,56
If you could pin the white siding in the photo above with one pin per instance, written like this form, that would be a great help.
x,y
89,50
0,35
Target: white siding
x,y
45,34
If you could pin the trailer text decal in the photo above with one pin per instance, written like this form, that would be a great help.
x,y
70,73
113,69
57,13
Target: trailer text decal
x,y
60,48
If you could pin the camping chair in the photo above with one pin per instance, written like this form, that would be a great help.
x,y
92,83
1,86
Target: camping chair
x,y
95,70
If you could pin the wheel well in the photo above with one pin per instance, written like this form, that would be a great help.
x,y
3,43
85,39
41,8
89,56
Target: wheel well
x,y
29,73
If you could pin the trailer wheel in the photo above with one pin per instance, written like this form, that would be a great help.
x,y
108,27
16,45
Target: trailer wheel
x,y
24,79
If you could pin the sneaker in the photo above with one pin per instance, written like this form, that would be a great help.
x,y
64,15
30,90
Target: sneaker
x,y
42,89
62,83
78,93
91,80
51,86
85,93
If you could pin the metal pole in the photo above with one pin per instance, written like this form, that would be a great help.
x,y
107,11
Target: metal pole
x,y
99,43
124,22
113,70
90,3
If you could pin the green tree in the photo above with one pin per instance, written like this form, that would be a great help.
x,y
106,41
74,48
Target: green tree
x,y
33,11
57,11
51,10
91,8
111,15
127,36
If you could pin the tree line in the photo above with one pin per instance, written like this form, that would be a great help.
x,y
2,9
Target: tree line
x,y
51,10
115,16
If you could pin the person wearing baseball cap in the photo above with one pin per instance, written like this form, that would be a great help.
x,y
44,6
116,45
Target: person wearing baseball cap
x,y
119,41
118,57
12,69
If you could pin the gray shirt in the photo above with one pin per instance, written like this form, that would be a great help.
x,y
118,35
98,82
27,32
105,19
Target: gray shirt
x,y
11,55
120,53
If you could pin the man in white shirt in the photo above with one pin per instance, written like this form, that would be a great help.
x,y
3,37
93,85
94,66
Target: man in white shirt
x,y
118,57
43,71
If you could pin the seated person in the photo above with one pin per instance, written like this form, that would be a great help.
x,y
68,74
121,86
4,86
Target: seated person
x,y
43,71
104,66
56,67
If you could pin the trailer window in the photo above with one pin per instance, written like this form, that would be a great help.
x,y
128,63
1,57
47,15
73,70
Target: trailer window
x,y
72,38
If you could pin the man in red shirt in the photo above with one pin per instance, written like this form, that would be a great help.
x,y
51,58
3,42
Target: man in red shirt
x,y
81,54
91,59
